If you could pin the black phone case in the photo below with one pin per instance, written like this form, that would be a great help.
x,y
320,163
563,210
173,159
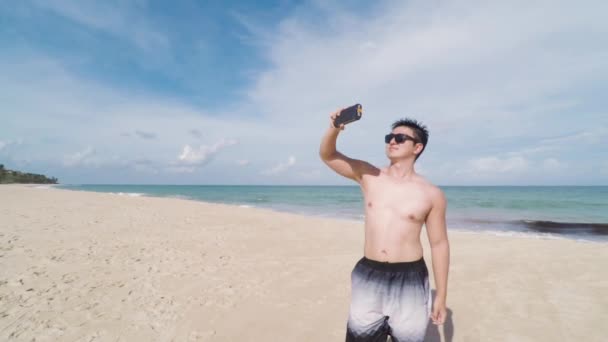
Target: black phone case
x,y
348,115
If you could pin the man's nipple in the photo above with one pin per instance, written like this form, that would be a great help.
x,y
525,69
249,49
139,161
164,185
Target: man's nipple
x,y
369,204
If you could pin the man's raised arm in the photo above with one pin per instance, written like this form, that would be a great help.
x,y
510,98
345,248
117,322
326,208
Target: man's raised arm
x,y
343,165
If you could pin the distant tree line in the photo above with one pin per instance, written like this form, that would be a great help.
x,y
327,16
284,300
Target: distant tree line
x,y
10,176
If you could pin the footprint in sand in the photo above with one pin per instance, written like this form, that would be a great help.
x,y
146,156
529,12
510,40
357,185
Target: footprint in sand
x,y
201,336
69,278
95,336
225,259
57,258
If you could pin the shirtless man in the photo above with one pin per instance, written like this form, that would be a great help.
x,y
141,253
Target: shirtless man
x,y
390,293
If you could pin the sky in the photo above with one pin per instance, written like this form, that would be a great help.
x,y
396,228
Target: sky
x,y
229,92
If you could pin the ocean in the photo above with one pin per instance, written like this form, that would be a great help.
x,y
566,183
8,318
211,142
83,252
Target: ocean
x,y
572,212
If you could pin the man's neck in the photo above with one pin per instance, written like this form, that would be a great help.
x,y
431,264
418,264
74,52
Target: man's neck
x,y
403,169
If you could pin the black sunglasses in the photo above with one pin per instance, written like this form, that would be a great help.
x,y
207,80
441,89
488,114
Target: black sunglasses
x,y
400,138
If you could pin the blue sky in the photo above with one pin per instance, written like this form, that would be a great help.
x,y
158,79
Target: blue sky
x,y
227,92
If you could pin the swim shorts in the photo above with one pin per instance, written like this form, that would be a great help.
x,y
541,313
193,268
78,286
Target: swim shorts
x,y
389,299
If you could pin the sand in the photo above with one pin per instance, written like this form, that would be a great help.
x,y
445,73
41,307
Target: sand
x,y
80,266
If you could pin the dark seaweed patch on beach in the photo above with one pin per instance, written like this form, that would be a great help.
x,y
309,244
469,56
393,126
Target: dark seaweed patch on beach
x,y
562,228
566,227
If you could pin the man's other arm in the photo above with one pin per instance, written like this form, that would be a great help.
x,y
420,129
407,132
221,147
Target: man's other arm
x,y
440,247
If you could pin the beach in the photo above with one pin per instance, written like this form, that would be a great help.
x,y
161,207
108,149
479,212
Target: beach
x,y
83,266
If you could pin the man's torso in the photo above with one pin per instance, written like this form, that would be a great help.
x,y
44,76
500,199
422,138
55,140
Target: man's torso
x,y
394,214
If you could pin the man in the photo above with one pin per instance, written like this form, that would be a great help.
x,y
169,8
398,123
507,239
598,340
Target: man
x,y
390,293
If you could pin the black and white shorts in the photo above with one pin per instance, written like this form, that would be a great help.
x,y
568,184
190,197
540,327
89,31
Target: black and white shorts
x,y
389,299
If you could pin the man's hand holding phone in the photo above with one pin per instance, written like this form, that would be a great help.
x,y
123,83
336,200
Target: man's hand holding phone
x,y
340,118
332,119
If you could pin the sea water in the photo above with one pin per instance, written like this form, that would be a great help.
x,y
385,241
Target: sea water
x,y
577,212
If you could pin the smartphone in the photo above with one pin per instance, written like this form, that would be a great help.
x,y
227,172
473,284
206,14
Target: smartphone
x,y
348,115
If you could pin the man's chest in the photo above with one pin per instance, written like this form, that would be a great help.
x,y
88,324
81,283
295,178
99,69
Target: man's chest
x,y
404,202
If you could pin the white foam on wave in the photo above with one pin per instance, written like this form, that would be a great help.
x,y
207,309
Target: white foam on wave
x,y
183,197
245,206
510,233
131,194
529,235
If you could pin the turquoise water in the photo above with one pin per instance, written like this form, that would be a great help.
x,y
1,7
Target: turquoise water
x,y
568,211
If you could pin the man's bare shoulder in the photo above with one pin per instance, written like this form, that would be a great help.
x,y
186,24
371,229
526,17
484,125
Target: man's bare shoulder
x,y
434,192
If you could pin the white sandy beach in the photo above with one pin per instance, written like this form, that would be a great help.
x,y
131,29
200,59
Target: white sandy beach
x,y
78,266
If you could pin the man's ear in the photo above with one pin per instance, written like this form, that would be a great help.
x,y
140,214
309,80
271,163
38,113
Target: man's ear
x,y
419,147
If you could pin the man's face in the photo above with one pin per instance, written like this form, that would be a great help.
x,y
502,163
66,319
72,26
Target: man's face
x,y
405,149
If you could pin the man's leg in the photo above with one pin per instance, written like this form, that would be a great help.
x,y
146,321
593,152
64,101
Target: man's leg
x,y
375,331
366,321
409,304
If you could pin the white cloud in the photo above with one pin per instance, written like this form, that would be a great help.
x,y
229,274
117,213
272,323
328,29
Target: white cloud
x,y
196,133
574,141
498,165
310,175
144,165
145,135
181,169
5,145
203,154
89,157
454,64
243,162
70,110
453,57
81,158
281,167
591,136
120,19
604,168
552,164
533,150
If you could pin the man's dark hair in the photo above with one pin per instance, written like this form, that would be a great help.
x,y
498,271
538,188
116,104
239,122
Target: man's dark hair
x,y
420,131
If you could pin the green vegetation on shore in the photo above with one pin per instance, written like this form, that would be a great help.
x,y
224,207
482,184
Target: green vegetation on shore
x,y
11,176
